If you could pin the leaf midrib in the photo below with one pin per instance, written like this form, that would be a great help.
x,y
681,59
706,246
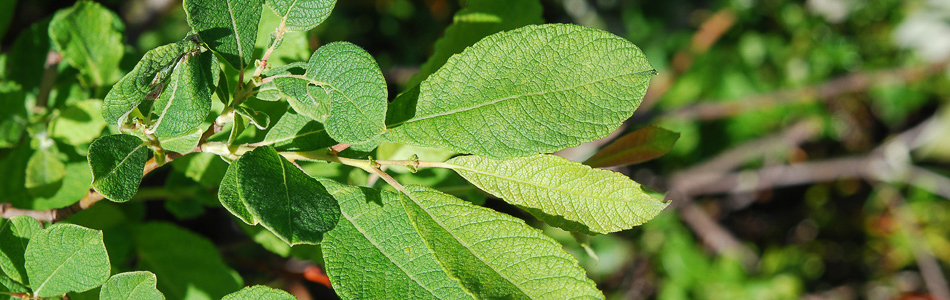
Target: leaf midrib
x,y
492,102
237,35
40,288
602,198
122,162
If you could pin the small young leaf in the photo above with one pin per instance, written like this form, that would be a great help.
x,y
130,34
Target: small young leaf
x,y
257,118
477,20
131,286
363,243
357,91
259,292
302,15
66,258
187,100
15,235
636,147
44,168
315,106
89,37
182,143
494,255
229,27
149,74
79,124
296,132
536,89
561,192
117,163
188,265
284,199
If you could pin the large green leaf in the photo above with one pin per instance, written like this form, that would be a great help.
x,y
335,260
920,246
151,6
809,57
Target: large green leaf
x,y
185,103
638,146
148,77
229,27
282,198
117,163
494,255
376,252
66,258
45,168
15,235
532,90
259,292
230,196
79,124
296,132
73,187
188,265
561,192
302,15
477,20
89,37
131,286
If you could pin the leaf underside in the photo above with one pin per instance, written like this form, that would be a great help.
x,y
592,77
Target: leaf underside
x,y
636,147
302,15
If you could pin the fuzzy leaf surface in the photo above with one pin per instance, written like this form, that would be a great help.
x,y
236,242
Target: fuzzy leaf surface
x,y
479,18
66,258
494,255
89,37
561,192
636,147
376,252
259,292
302,15
15,234
229,27
356,88
536,89
154,67
185,103
131,286
117,163
284,199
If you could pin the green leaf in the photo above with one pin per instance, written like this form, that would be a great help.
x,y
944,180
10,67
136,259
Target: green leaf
x,y
302,15
268,90
356,88
74,186
185,103
131,286
479,18
13,118
188,264
15,235
66,258
29,51
182,143
9,285
376,252
257,118
44,168
230,196
316,106
80,123
229,27
148,77
117,163
6,15
561,192
532,90
296,132
204,168
89,37
494,255
294,46
636,147
284,199
259,292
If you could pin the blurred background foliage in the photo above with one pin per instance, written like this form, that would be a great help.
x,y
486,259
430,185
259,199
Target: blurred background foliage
x,y
811,161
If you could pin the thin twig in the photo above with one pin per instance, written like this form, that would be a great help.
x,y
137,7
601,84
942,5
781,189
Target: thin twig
x,y
48,80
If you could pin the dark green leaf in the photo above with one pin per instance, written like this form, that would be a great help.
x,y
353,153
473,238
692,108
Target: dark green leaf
x,y
29,51
89,37
532,90
6,15
230,196
284,199
229,27
15,234
148,76
636,147
186,101
13,118
131,286
66,258
117,163
188,265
